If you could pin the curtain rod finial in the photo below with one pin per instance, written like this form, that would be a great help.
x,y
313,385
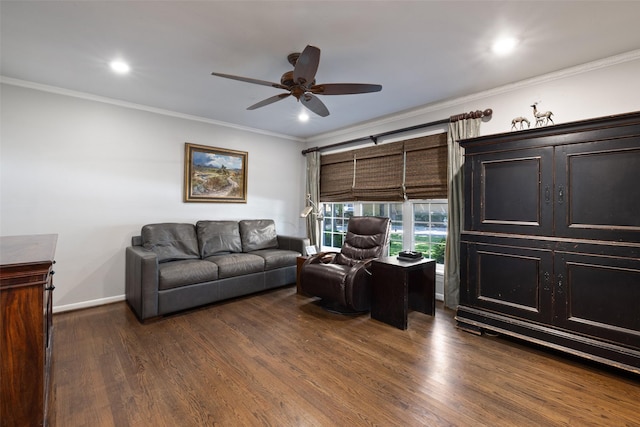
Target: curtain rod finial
x,y
472,115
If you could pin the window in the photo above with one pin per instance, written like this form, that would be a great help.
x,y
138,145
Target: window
x,y
426,218
334,224
401,180
430,228
394,212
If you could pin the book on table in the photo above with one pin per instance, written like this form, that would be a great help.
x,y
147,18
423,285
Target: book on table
x,y
410,256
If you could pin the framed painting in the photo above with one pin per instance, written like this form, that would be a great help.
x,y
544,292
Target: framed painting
x,y
214,174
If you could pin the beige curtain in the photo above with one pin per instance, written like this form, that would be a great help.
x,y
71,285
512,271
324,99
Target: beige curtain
x,y
313,189
461,129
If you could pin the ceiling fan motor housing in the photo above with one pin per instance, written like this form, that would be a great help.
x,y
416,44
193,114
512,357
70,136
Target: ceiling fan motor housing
x,y
293,58
287,80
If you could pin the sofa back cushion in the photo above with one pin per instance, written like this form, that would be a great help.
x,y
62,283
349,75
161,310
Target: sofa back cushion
x,y
258,234
218,237
171,241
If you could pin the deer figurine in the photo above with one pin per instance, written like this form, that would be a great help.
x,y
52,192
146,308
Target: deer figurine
x,y
542,118
521,120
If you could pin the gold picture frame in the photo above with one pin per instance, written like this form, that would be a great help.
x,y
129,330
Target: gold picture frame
x,y
213,174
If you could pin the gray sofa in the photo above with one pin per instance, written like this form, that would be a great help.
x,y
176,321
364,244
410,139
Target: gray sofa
x,y
175,266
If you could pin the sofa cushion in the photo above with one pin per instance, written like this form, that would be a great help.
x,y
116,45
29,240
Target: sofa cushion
x,y
232,265
277,258
218,237
186,272
258,234
171,241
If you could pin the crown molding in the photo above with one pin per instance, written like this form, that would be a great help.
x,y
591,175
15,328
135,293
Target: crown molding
x,y
362,128
134,106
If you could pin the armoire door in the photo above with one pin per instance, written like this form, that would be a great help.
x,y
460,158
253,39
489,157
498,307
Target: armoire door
x,y
597,190
511,280
598,296
512,192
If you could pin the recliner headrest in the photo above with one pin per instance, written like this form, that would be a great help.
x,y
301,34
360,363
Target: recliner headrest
x,y
367,237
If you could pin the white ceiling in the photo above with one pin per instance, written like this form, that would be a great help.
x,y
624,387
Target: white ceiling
x,y
421,52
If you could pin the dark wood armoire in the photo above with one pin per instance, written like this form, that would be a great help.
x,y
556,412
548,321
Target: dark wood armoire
x,y
550,247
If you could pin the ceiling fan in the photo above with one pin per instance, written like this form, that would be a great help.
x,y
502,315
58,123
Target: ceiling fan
x,y
302,85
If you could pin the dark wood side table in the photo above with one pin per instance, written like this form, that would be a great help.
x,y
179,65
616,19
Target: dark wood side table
x,y
400,286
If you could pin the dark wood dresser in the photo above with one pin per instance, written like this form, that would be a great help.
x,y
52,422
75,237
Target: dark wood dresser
x,y
26,288
550,248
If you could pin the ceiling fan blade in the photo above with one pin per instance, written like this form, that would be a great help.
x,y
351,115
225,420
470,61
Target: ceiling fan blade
x,y
248,80
307,65
269,101
314,104
344,88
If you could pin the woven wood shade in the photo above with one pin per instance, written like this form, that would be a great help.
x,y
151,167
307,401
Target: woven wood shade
x,y
378,174
414,168
336,177
426,167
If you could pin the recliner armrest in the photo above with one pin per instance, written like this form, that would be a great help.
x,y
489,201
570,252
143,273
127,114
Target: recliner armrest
x,y
359,268
321,257
357,279
141,281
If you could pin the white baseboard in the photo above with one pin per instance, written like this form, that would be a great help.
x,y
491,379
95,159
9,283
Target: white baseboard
x,y
87,304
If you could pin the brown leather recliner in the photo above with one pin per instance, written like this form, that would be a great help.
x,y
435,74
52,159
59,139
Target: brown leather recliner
x,y
342,279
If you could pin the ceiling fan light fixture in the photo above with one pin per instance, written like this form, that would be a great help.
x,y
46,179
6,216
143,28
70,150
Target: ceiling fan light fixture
x,y
303,116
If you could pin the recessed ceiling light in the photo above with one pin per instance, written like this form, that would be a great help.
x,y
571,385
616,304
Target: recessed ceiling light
x,y
120,67
303,116
504,45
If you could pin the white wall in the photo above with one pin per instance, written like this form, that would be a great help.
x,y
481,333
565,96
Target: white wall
x,y
95,172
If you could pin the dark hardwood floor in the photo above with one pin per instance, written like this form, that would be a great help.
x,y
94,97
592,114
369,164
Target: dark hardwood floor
x,y
277,359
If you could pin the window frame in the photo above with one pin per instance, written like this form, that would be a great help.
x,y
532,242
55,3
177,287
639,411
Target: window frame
x,y
357,208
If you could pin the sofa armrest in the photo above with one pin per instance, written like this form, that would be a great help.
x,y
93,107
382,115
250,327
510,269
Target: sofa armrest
x,y
141,281
293,243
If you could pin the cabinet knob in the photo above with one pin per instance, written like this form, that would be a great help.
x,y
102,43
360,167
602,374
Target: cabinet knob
x,y
50,288
560,284
547,194
561,194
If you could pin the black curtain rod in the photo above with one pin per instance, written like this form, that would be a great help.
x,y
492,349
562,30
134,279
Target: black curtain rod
x,y
471,115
